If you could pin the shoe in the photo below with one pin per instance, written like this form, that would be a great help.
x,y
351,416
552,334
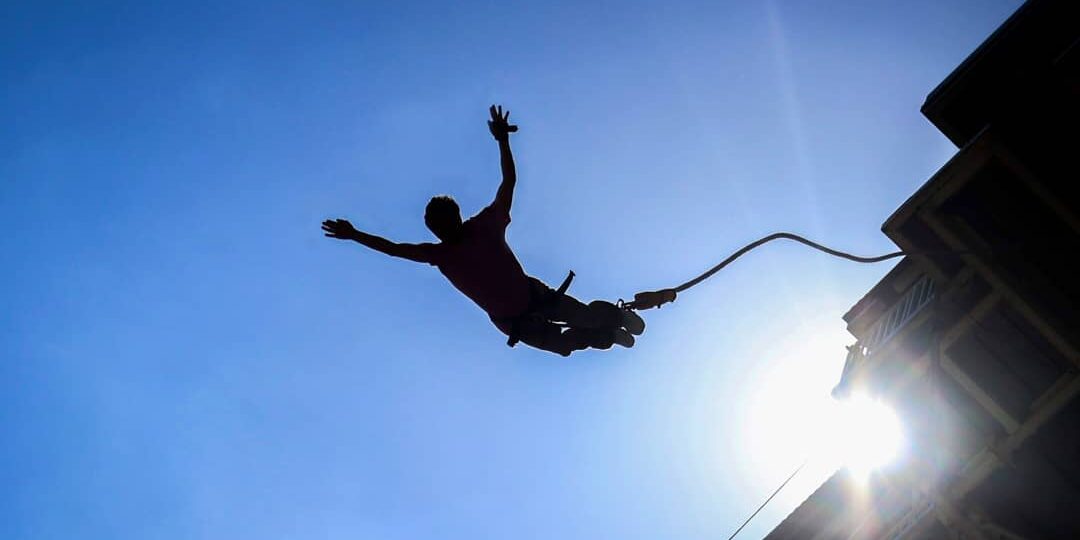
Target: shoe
x,y
632,322
614,317
623,337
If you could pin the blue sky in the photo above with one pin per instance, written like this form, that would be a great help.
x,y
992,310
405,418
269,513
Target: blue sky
x,y
183,355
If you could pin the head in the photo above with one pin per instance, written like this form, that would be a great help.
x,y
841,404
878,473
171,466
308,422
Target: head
x,y
443,217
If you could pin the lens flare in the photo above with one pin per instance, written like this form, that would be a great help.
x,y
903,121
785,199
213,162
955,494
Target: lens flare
x,y
869,435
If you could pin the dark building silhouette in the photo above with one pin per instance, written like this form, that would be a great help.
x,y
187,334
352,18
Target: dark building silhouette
x,y
976,342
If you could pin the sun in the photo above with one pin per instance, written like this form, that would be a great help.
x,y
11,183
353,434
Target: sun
x,y
868,434
790,415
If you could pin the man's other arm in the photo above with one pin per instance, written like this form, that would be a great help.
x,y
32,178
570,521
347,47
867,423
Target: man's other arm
x,y
343,230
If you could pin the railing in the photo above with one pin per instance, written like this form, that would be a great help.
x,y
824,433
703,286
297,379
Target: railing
x,y
918,296
888,325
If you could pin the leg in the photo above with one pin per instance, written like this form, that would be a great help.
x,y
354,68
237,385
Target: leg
x,y
598,314
550,337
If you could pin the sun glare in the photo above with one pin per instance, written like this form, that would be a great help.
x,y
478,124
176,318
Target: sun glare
x,y
791,416
869,435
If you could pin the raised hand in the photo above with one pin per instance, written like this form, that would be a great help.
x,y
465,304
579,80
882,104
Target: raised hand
x,y
340,229
500,125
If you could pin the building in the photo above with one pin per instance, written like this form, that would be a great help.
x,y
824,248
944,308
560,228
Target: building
x,y
974,337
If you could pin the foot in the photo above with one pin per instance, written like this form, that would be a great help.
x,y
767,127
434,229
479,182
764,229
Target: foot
x,y
608,315
632,322
622,337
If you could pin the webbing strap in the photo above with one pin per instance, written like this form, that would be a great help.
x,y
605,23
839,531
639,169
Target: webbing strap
x,y
537,306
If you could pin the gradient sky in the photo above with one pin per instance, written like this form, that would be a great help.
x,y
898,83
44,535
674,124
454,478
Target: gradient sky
x,y
183,355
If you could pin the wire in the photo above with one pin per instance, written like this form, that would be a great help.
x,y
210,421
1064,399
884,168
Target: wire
x,y
784,483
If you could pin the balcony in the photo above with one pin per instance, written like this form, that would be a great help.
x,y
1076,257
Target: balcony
x,y
918,296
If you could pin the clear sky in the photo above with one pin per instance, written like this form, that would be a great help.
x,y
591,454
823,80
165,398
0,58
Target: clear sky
x,y
183,355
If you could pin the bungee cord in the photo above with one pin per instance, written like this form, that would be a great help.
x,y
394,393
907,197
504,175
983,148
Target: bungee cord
x,y
655,299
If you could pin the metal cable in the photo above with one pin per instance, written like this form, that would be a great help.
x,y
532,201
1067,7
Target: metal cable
x,y
785,482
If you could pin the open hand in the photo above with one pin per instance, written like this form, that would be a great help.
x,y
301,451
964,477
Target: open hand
x,y
339,228
500,125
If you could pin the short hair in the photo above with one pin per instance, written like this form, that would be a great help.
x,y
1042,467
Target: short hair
x,y
441,205
443,217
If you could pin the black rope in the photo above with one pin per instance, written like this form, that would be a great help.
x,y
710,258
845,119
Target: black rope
x,y
651,299
789,236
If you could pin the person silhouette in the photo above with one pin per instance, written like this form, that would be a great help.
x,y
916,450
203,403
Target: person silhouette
x,y
475,258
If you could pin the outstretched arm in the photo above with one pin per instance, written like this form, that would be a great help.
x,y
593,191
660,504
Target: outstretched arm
x,y
343,230
501,129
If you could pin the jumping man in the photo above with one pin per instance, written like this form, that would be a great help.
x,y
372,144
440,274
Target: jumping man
x,y
475,258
